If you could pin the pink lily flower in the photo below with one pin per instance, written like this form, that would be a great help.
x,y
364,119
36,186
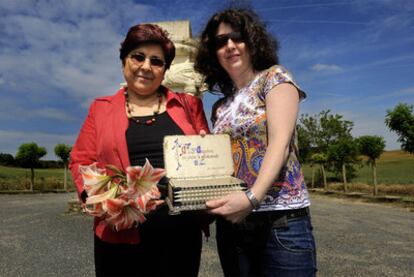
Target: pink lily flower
x,y
141,179
122,201
94,179
147,202
95,204
95,210
99,198
123,214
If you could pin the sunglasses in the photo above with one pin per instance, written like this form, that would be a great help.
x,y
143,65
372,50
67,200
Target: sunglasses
x,y
139,59
221,40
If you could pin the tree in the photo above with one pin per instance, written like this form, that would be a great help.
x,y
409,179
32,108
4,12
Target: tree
x,y
63,152
6,159
28,156
372,147
320,159
343,154
401,121
319,131
304,144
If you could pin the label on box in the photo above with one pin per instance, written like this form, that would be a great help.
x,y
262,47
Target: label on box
x,y
197,157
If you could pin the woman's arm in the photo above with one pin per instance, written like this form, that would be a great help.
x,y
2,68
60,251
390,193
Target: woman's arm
x,y
282,104
84,150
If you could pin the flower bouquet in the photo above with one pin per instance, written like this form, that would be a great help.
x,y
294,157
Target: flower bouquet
x,y
122,200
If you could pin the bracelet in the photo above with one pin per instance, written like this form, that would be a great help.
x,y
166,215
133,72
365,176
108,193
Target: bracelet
x,y
253,200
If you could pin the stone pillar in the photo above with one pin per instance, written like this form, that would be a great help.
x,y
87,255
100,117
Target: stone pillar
x,y
181,76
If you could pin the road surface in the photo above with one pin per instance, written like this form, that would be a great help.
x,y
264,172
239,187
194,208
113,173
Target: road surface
x,y
37,238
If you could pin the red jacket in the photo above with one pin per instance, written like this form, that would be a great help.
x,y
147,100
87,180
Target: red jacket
x,y
102,139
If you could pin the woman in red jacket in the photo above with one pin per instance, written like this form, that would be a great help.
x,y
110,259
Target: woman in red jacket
x,y
125,129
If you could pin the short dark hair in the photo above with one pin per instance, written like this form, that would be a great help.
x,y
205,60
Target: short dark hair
x,y
261,45
147,33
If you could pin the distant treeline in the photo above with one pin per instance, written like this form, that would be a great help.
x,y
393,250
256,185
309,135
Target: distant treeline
x,y
9,160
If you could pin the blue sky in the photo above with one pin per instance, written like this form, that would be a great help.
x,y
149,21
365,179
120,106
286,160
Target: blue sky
x,y
355,58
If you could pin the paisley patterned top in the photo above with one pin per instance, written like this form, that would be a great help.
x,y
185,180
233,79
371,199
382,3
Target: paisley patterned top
x,y
243,117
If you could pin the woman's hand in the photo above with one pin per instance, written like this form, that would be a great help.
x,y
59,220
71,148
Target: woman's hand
x,y
234,207
202,133
155,204
159,203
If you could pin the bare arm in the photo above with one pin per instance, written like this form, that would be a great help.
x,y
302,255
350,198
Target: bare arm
x,y
282,104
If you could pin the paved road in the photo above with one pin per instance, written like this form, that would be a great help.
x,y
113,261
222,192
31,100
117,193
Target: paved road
x,y
354,239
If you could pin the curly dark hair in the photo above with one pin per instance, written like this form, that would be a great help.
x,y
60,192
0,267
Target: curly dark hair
x,y
261,45
147,33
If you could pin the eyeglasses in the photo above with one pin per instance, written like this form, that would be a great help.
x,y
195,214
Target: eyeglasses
x,y
221,40
139,59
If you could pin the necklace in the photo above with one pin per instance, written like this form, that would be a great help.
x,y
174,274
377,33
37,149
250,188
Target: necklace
x,y
135,118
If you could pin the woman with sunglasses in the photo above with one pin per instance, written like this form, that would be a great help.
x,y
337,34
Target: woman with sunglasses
x,y
265,231
125,129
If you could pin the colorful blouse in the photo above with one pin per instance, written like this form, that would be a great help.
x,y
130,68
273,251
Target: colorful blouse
x,y
243,117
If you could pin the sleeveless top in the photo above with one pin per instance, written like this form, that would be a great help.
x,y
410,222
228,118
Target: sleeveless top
x,y
243,117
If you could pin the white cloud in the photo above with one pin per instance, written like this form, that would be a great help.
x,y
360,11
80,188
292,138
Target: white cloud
x,y
406,91
62,47
51,113
11,140
11,110
367,119
53,53
375,126
69,50
326,68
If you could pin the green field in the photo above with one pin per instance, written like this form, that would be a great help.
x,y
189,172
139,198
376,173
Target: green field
x,y
15,178
395,176
394,168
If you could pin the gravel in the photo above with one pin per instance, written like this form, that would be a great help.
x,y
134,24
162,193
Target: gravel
x,y
38,238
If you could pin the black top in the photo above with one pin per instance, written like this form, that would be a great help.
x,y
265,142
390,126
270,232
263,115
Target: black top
x,y
146,141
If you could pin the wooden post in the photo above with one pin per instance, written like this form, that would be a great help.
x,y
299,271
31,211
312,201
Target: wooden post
x,y
374,177
344,177
65,181
32,179
325,184
313,176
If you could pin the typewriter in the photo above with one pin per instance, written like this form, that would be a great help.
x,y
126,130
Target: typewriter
x,y
198,169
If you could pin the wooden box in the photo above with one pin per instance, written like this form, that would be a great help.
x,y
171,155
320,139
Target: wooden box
x,y
199,169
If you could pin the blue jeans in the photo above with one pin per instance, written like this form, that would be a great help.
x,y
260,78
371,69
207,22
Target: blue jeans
x,y
261,248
